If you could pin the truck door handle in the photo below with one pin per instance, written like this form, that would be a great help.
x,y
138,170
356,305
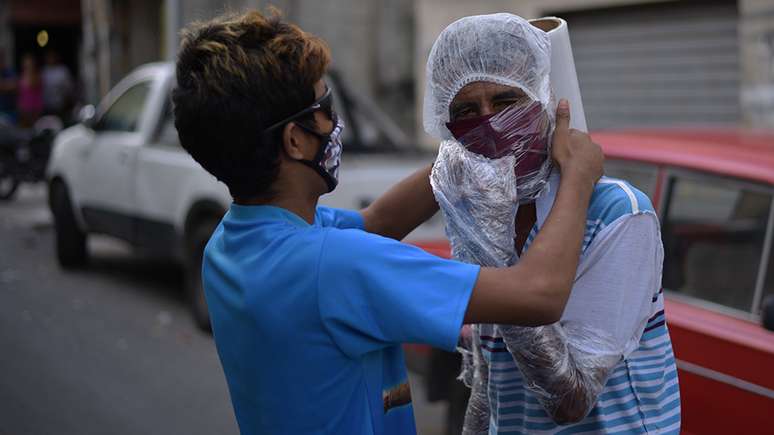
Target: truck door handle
x,y
123,156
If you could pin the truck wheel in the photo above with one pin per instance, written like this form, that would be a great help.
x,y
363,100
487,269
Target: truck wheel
x,y
8,183
71,250
197,241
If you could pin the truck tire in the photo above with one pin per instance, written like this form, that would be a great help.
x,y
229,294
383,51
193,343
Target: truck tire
x,y
8,183
71,249
197,241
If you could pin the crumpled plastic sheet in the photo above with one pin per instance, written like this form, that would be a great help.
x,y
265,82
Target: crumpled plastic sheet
x,y
564,367
522,131
478,198
475,375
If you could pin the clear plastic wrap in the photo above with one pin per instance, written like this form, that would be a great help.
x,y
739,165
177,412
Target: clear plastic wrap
x,y
565,369
522,131
478,197
475,375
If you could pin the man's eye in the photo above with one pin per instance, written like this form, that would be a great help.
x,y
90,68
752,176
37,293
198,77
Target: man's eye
x,y
462,112
504,103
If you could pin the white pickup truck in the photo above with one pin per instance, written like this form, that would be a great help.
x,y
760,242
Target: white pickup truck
x,y
123,173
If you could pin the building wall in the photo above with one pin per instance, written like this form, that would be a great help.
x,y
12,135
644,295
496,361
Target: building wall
x,y
756,41
756,44
372,45
381,46
657,65
135,28
432,16
371,41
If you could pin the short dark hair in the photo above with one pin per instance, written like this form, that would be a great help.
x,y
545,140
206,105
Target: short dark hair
x,y
237,75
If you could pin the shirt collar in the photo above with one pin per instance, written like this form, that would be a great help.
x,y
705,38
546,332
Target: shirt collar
x,y
265,213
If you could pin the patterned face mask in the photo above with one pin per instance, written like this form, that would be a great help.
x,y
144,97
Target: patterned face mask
x,y
326,161
328,158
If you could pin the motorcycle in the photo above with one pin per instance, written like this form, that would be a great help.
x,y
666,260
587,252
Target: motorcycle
x,y
24,153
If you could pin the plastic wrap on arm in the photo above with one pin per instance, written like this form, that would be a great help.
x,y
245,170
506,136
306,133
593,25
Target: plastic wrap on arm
x,y
475,374
566,369
479,199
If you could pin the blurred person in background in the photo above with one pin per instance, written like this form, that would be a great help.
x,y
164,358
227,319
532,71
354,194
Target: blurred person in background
x,y
310,304
57,85
30,92
8,86
608,365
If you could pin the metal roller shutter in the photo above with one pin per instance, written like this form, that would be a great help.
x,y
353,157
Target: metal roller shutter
x,y
658,65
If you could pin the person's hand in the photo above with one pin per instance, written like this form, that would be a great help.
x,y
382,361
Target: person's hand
x,y
573,150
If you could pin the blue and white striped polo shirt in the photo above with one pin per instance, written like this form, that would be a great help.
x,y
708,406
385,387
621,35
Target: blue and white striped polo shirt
x,y
617,290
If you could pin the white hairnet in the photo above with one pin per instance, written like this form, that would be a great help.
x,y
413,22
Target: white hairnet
x,y
499,48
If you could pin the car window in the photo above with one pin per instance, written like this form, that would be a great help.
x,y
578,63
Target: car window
x,y
768,283
640,175
124,114
713,233
167,133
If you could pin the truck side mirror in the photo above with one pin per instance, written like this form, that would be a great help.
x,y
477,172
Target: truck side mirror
x,y
767,312
86,115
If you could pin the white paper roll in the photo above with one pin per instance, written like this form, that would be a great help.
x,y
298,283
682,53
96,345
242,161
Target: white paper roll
x,y
564,79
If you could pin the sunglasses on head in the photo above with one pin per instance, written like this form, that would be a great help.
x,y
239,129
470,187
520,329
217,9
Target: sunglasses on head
x,y
324,104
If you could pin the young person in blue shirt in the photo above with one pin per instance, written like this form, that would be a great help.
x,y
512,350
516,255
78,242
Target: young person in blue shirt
x,y
309,305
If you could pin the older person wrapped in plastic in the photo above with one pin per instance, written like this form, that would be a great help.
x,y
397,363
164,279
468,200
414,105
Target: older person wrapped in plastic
x,y
494,158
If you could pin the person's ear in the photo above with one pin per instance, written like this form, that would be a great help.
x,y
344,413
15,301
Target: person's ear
x,y
293,141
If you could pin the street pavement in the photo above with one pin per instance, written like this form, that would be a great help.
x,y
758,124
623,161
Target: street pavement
x,y
110,348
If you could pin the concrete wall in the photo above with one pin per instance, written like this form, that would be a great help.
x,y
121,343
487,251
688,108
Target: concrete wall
x,y
381,46
756,44
372,46
432,16
371,41
756,41
135,35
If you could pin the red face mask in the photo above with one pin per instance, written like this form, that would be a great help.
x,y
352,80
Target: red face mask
x,y
521,131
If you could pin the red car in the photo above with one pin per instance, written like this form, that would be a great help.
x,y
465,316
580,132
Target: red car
x,y
714,193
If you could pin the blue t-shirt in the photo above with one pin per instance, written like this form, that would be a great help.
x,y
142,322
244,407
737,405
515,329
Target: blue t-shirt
x,y
308,319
